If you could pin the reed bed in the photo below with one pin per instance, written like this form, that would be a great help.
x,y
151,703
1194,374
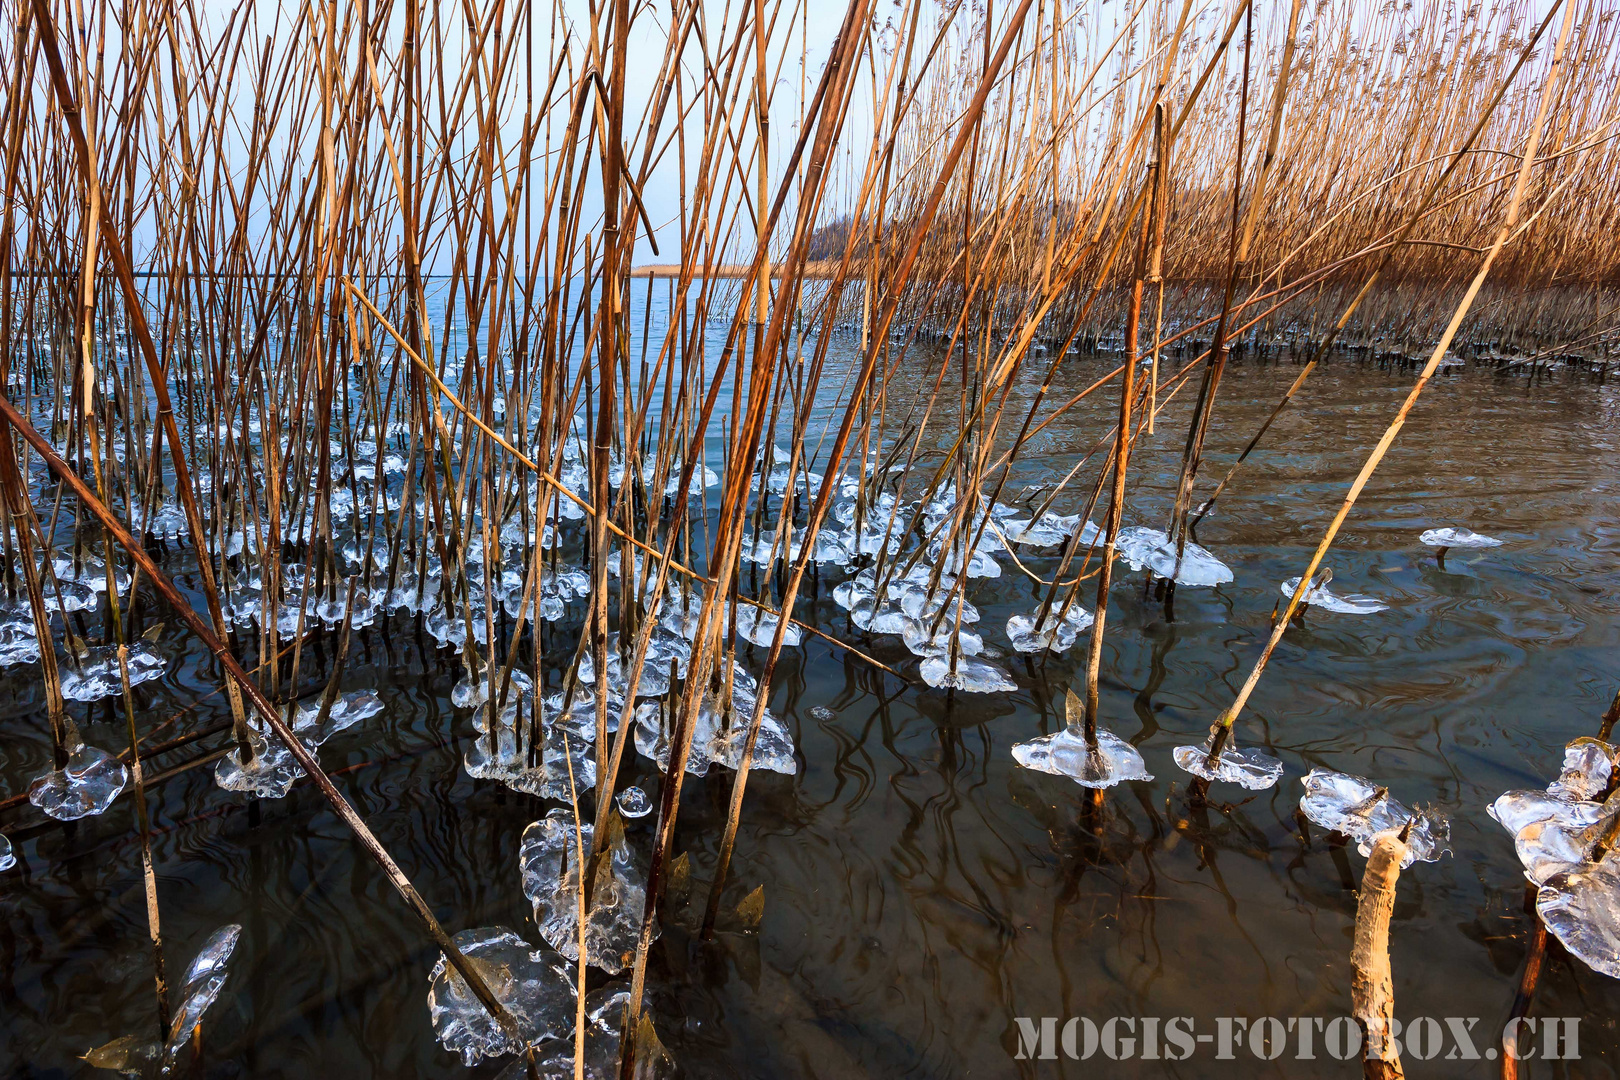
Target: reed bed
x,y
328,315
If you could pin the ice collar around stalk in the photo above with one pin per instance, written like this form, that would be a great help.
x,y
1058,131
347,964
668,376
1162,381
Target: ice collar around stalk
x,y
549,857
84,787
1319,596
272,768
1100,764
1032,633
534,986
1555,830
204,982
1358,808
1048,529
7,858
1253,770
562,766
1581,908
1140,546
95,672
1443,540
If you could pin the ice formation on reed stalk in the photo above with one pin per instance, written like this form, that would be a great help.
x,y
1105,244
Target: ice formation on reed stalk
x,y
536,990
1581,908
1253,770
1048,529
1359,809
549,857
7,859
633,802
94,672
1032,633
84,787
1140,546
1319,596
943,671
1067,753
1459,537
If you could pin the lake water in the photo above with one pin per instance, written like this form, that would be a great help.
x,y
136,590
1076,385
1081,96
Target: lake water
x,y
921,890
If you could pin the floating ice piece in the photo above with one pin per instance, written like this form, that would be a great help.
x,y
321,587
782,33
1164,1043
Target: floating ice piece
x,y
822,713
1067,753
347,710
546,775
924,639
969,674
1588,767
1253,770
550,856
535,989
87,785
1354,806
633,802
18,643
759,627
268,775
473,690
7,859
1152,548
98,675
1581,908
88,571
1459,537
1319,596
205,979
1053,634
70,596
604,1014
1049,529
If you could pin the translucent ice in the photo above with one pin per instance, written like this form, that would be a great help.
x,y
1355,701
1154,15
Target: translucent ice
x,y
1354,806
550,856
1319,596
97,675
87,785
1581,908
969,674
924,638
633,802
513,762
473,689
347,711
1151,548
1253,770
1066,753
7,859
759,627
1459,537
1049,529
1053,634
204,981
269,773
1588,768
537,990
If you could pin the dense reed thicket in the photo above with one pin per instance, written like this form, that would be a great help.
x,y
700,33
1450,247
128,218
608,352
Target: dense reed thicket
x,y
323,314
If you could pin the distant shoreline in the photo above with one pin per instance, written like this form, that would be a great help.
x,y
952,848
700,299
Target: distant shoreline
x,y
823,269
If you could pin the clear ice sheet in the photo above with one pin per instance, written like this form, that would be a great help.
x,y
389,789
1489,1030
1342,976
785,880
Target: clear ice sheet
x,y
97,676
1356,807
549,857
1319,596
86,786
536,988
1253,770
1053,635
1140,546
972,675
1581,908
1066,753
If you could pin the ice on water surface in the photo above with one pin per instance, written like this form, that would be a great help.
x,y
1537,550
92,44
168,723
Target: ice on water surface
x,y
549,857
205,980
966,673
924,639
1459,537
97,675
1052,634
604,1014
1048,529
1253,770
1588,767
1554,831
565,765
633,802
537,990
1356,807
1066,753
473,688
7,859
759,627
1319,596
1140,546
347,711
86,786
268,774
1581,908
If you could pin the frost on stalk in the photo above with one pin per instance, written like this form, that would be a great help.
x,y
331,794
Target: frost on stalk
x,y
1356,807
536,990
550,860
1067,753
1253,770
97,675
965,673
1581,908
1151,548
1318,596
1032,634
632,802
86,786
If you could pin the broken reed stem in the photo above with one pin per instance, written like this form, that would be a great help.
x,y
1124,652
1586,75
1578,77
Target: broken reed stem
x,y
1372,987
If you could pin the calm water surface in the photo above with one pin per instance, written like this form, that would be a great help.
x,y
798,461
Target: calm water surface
x,y
921,890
